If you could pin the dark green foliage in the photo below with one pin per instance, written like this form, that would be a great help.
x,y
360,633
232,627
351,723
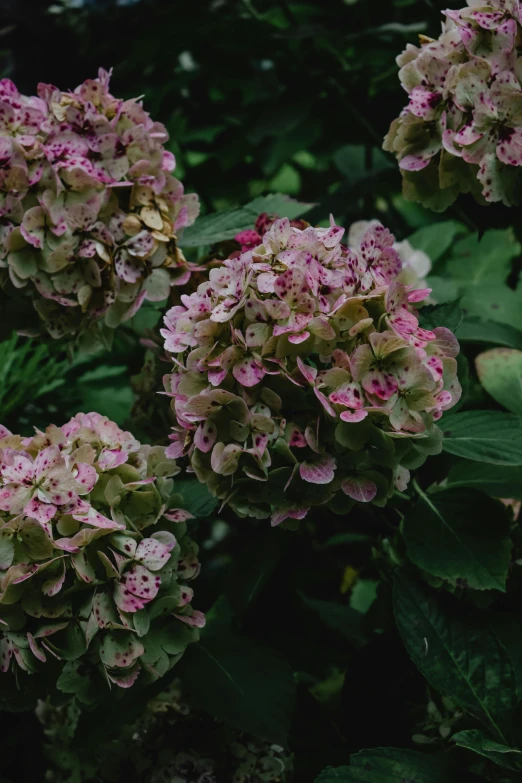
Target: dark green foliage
x,y
383,646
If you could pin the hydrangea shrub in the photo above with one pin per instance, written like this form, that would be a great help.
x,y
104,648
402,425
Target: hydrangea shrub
x,y
89,207
302,377
93,560
461,130
171,742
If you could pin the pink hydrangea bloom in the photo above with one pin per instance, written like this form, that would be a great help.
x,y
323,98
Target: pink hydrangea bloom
x,y
89,208
462,128
87,543
294,362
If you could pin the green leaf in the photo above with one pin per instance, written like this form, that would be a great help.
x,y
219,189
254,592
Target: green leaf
x,y
340,618
485,260
499,481
493,302
458,655
351,162
251,571
209,229
102,372
29,370
443,289
484,436
364,593
113,401
500,373
393,765
35,539
70,680
7,550
279,119
248,686
196,497
448,314
436,239
475,330
339,775
507,627
508,758
461,536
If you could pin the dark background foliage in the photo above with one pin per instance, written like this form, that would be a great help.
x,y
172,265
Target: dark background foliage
x,y
290,96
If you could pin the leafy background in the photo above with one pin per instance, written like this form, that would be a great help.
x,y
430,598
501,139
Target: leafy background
x,y
382,647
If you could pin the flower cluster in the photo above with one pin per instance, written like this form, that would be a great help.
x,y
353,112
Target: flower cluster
x,y
302,377
93,562
89,208
462,128
170,743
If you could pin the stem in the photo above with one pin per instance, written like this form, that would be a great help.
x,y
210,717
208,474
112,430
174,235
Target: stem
x,y
252,11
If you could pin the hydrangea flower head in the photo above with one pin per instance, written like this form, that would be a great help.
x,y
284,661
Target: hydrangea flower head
x,y
200,749
301,376
462,128
89,207
93,563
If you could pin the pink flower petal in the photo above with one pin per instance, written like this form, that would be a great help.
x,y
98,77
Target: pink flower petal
x,y
153,554
292,512
141,582
42,512
87,477
178,515
247,372
359,488
196,619
319,471
205,436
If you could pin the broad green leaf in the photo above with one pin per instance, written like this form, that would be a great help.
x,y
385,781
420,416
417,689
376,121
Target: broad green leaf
x,y
363,594
251,571
70,680
394,765
283,147
340,618
442,288
500,373
460,535
115,402
279,118
436,239
7,550
347,538
504,756
484,436
102,372
499,481
476,330
483,261
196,497
339,775
493,302
508,629
287,181
209,229
448,314
351,162
457,654
245,684
35,539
